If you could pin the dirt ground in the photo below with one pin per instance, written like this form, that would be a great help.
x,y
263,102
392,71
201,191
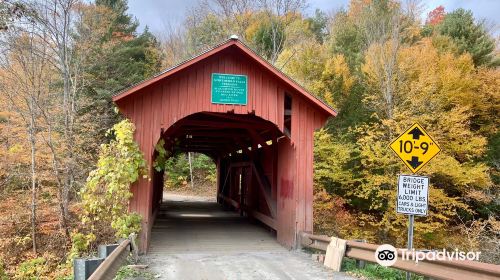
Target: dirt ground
x,y
201,190
193,238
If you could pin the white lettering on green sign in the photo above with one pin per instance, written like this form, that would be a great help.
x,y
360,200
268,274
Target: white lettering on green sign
x,y
229,89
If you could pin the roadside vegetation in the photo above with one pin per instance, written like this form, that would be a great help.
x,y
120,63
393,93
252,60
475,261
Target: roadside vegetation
x,y
67,157
375,271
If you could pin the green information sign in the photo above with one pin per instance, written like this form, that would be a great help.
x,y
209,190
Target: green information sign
x,y
229,89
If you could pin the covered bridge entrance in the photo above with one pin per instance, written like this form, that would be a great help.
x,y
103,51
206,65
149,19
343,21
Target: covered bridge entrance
x,y
251,119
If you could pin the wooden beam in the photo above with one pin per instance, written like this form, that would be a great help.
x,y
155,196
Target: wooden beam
x,y
240,164
256,137
239,118
265,188
215,133
220,124
265,219
230,201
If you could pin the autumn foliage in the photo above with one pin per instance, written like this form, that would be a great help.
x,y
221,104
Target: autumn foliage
x,y
375,62
436,16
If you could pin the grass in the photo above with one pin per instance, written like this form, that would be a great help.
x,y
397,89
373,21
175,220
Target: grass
x,y
375,271
126,272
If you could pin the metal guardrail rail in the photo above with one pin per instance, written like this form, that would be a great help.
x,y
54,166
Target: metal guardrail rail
x,y
110,266
435,269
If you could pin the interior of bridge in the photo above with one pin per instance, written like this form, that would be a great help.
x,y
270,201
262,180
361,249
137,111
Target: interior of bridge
x,y
244,148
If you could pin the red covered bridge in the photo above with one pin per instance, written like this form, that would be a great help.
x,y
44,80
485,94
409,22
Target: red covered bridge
x,y
250,118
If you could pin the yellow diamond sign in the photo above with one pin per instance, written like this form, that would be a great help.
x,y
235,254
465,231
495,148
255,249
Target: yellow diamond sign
x,y
415,147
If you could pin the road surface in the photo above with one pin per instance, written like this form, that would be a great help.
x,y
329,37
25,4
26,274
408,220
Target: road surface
x,y
196,239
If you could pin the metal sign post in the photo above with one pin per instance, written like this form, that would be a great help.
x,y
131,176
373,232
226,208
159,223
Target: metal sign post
x,y
413,197
410,239
411,218
415,148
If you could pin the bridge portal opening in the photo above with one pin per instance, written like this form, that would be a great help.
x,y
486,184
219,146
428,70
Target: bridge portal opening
x,y
243,148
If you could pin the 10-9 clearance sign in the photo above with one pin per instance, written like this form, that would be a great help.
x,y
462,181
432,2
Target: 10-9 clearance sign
x,y
415,147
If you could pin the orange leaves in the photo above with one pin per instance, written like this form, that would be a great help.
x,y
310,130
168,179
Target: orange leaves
x,y
331,216
436,16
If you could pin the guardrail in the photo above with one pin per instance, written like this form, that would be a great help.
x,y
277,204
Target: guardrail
x,y
450,269
109,267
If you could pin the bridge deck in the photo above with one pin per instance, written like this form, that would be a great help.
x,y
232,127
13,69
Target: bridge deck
x,y
198,240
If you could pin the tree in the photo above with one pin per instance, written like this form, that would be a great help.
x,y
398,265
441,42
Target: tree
x,y
269,38
204,32
435,16
469,36
318,24
24,80
9,12
55,18
262,24
113,57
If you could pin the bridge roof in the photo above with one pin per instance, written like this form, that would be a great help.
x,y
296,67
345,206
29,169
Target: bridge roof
x,y
245,50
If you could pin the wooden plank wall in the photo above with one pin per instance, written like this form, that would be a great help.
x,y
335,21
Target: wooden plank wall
x,y
187,92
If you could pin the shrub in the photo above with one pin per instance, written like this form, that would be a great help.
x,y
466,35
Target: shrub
x,y
106,194
31,269
79,244
3,273
127,224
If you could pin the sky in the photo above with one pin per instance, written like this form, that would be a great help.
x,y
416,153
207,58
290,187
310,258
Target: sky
x,y
161,14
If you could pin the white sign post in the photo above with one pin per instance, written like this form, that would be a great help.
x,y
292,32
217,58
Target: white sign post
x,y
413,199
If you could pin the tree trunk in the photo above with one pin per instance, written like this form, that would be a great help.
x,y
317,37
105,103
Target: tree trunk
x,y
32,138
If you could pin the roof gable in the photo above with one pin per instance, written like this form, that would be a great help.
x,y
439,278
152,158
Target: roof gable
x,y
245,49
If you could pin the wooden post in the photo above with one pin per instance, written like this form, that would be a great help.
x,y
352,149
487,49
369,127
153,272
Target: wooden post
x,y
190,169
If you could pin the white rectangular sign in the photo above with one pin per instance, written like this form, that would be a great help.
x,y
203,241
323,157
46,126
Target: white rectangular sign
x,y
413,195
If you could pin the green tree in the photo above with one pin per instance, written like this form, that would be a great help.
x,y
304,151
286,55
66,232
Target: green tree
x,y
122,22
114,56
318,25
346,38
269,37
469,36
204,33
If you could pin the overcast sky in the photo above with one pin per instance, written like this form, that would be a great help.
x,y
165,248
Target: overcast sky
x,y
160,13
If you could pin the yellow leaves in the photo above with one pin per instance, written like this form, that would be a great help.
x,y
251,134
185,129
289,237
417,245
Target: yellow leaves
x,y
106,194
460,176
486,107
435,89
337,72
15,149
434,80
297,31
254,25
304,62
331,158
382,76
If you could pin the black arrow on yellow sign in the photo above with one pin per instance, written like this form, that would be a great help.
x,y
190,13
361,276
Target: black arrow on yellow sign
x,y
416,133
414,162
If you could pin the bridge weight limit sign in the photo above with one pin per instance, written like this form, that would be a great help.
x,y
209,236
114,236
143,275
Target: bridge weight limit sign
x,y
415,148
413,195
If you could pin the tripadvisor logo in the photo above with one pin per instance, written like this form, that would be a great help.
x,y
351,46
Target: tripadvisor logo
x,y
386,255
